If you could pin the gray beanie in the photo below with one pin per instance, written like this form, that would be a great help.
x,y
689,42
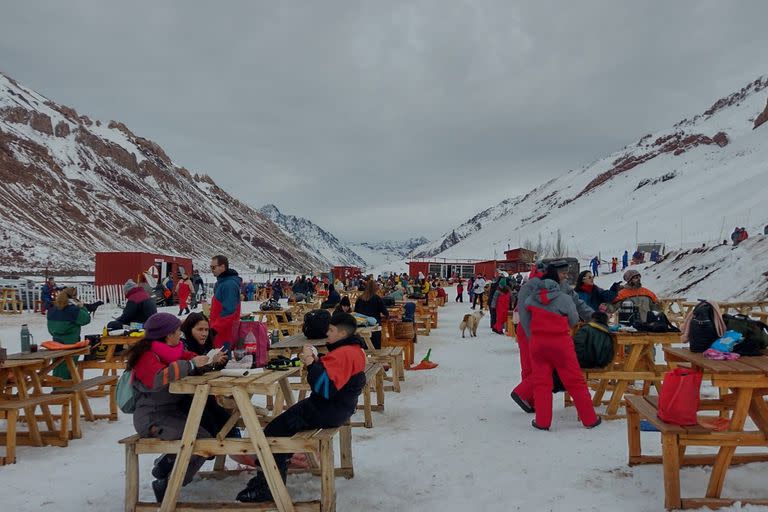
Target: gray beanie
x,y
128,286
629,274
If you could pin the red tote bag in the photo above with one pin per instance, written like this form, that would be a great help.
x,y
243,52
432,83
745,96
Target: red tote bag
x,y
679,399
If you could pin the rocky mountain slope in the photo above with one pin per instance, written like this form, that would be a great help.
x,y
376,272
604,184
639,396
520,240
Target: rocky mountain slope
x,y
386,251
313,238
684,186
72,186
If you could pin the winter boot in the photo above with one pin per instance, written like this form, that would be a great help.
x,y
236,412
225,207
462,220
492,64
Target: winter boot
x,y
257,489
158,487
534,425
522,403
599,421
163,466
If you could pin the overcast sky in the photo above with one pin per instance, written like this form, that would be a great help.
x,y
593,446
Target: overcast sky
x,y
385,119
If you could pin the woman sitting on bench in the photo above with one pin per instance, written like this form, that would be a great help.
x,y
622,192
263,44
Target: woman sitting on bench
x,y
156,361
65,319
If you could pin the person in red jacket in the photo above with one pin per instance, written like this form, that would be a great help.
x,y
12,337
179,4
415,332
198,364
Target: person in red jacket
x,y
503,302
336,379
156,361
225,304
460,291
552,314
183,291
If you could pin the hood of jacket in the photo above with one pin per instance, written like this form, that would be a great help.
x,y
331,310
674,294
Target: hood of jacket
x,y
137,295
547,291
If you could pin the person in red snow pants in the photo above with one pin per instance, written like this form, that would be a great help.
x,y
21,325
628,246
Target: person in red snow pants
x,y
525,389
552,313
502,310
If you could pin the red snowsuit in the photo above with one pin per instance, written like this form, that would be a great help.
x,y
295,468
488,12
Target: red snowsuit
x,y
525,389
552,313
502,310
183,291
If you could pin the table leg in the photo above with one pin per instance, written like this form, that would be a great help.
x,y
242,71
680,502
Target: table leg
x,y
45,409
186,448
621,385
285,386
725,453
29,412
263,452
85,405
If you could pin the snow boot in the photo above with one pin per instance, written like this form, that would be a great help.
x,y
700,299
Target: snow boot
x,y
257,489
522,403
163,466
158,487
599,421
534,425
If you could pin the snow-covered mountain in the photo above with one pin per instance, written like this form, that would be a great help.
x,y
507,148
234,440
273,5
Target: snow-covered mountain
x,y
685,186
313,239
383,252
72,186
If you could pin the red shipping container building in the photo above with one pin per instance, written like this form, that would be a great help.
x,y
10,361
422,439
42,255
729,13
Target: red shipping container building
x,y
115,268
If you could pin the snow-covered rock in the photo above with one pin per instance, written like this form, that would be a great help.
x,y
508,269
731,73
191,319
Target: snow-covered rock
x,y
72,186
685,186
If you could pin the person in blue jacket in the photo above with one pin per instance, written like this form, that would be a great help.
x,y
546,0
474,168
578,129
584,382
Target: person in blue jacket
x,y
625,260
592,294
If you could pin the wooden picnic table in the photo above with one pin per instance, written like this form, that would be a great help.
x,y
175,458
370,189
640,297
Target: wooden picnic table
x,y
51,359
112,361
747,378
22,374
240,389
634,359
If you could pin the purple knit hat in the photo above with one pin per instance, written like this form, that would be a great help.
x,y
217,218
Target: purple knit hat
x,y
160,325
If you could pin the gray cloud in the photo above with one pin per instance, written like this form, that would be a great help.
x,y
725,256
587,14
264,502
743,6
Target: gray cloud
x,y
385,119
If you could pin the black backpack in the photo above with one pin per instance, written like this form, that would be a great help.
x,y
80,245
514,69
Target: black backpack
x,y
702,331
656,321
755,334
388,301
316,324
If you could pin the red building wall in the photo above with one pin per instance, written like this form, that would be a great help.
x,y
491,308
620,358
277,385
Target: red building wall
x,y
117,267
342,272
414,267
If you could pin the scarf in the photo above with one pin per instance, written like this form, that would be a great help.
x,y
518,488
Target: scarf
x,y
587,288
167,353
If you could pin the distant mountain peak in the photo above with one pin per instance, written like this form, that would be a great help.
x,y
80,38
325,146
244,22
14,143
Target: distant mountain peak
x,y
314,239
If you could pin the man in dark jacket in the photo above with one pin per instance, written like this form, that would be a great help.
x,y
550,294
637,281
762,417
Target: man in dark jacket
x,y
138,308
336,379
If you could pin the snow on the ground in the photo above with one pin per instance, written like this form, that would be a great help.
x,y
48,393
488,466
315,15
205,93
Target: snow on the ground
x,y
451,441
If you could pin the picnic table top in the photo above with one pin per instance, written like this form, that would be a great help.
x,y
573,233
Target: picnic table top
x,y
119,340
260,382
50,354
18,363
632,338
752,365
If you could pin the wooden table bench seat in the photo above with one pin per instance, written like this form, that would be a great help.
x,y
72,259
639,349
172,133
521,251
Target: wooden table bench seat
x,y
674,440
374,381
109,381
9,410
317,442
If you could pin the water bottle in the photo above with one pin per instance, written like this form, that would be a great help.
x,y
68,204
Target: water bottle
x,y
26,339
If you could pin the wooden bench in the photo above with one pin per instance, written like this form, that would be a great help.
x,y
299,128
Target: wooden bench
x,y
79,390
674,440
318,443
374,381
9,302
9,409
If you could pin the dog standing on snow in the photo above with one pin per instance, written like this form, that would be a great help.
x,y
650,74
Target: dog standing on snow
x,y
470,321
